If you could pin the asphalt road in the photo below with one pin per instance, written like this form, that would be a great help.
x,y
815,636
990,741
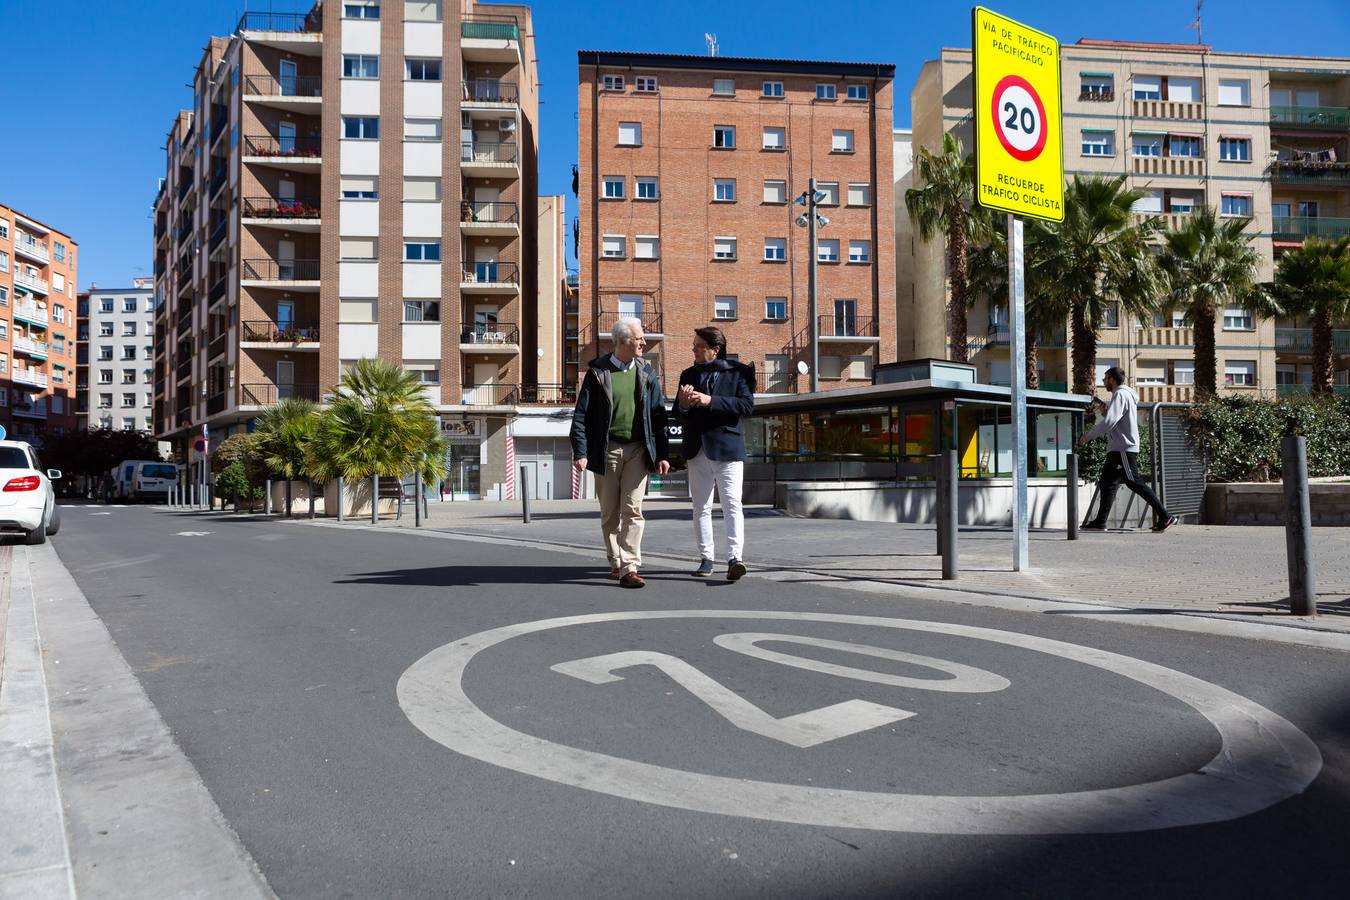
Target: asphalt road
x,y
376,717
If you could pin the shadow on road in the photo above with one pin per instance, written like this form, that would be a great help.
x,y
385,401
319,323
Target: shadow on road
x,y
469,576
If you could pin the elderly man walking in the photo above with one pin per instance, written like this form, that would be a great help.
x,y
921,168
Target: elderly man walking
x,y
619,435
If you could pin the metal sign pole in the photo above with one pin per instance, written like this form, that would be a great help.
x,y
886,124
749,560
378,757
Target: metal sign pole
x,y
1017,315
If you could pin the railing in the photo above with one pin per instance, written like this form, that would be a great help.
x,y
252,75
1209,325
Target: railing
x,y
269,21
280,208
220,118
28,345
490,334
217,345
33,410
218,234
490,90
308,147
23,279
218,179
1300,340
493,28
1059,387
288,86
215,403
491,273
183,416
1097,96
651,322
32,313
218,290
267,394
1309,226
1298,390
1336,117
281,270
487,151
185,278
27,244
489,395
29,376
184,185
1310,172
268,332
548,394
495,213
847,326
184,368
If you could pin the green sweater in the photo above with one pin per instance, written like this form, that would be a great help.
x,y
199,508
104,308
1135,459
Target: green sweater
x,y
622,427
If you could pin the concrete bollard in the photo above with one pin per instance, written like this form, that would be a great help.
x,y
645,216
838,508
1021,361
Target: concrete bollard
x,y
1071,500
1298,526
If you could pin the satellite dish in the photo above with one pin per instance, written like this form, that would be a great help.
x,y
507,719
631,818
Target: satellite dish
x,y
803,368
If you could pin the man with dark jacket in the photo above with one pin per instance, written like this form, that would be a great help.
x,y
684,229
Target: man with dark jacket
x,y
714,394
619,435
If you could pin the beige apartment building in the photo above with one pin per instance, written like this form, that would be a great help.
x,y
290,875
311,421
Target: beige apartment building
x,y
1250,135
352,182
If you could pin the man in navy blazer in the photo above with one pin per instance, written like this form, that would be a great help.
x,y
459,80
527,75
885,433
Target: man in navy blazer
x,y
714,394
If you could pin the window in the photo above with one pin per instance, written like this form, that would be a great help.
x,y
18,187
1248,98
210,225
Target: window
x,y
1176,319
857,92
630,134
859,368
58,280
1239,373
128,353
4,367
58,251
1150,372
645,84
775,191
58,313
428,373
724,137
613,246
1181,203
1235,205
128,329
105,329
1237,319
422,251
1185,145
128,376
357,310
646,246
363,9
775,249
1147,144
859,194
1111,315
646,188
128,401
4,297
129,424
724,87
1151,202
128,304
1147,87
1183,90
612,187
612,83
1183,371
357,247
105,377
421,129
1234,149
422,189
841,141
1235,92
724,307
105,401
105,351
4,261
724,248
773,89
4,229
825,92
365,128
859,251
775,139
1096,86
827,250
831,367
1099,143
831,191
724,190
422,11
106,305
356,65
421,310
775,309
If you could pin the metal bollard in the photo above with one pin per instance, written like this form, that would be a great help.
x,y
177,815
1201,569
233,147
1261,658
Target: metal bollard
x,y
341,498
1298,526
267,497
524,497
374,499
939,499
310,481
417,499
1071,499
951,512
288,498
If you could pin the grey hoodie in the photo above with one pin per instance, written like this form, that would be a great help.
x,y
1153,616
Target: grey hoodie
x,y
1120,423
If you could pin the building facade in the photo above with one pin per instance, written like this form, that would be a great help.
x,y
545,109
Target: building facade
x,y
359,181
1249,135
116,354
689,167
37,328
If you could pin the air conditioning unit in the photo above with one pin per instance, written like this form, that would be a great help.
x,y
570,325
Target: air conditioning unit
x,y
506,124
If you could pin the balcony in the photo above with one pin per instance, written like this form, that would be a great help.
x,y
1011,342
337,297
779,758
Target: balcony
x,y
1321,118
490,337
287,152
31,313
294,32
1193,166
847,329
268,394
217,345
26,245
1165,336
499,218
31,377
491,93
30,347
215,403
651,324
218,234
31,282
1165,393
489,159
1172,221
292,93
218,179
490,278
184,368
488,395
1097,96
268,335
290,213
1310,174
1300,340
1303,390
30,409
547,394
1296,228
292,274
1167,109
489,38
219,290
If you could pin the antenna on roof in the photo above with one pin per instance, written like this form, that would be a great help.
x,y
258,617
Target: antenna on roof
x,y
1196,23
711,41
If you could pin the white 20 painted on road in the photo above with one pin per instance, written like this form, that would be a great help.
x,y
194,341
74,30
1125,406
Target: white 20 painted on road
x,y
1263,758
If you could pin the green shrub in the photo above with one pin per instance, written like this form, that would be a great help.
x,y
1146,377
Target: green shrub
x,y
1239,437
233,481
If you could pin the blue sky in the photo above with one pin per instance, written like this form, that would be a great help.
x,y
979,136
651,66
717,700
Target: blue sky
x,y
85,153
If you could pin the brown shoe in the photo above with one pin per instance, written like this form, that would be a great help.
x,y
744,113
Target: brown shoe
x,y
632,580
614,573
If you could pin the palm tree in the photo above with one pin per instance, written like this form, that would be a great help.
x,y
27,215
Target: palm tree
x,y
1314,282
1097,256
943,205
1209,265
282,439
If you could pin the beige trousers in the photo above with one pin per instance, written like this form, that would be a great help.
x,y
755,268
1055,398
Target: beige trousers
x,y
620,491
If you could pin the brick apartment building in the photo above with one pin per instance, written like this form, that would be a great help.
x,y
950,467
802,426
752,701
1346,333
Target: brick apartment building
x,y
688,170
359,181
37,328
1248,134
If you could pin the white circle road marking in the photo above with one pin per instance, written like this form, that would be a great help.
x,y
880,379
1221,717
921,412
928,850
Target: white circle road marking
x,y
1263,758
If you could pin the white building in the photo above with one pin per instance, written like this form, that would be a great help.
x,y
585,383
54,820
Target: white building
x,y
118,332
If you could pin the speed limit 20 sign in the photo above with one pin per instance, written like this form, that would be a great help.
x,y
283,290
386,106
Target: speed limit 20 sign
x,y
1019,154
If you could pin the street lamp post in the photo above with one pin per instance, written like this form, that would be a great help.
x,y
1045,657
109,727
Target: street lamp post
x,y
810,220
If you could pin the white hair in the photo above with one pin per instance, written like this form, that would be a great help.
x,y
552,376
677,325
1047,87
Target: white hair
x,y
624,328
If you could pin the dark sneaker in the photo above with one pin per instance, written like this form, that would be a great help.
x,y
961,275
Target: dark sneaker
x,y
614,573
1165,524
735,570
704,569
1092,526
632,580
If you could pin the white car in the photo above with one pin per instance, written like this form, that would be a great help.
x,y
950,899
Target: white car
x,y
27,501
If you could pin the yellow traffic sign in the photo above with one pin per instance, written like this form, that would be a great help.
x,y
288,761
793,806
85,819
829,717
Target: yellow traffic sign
x,y
1019,149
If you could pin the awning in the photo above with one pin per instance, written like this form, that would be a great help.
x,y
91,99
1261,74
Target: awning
x,y
1149,133
1097,74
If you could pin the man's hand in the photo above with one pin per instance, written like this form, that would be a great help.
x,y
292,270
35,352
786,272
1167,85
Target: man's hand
x,y
686,396
579,464
1082,441
662,466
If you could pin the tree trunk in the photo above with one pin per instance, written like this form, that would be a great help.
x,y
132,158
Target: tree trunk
x,y
958,269
1033,370
1324,360
1084,352
1206,364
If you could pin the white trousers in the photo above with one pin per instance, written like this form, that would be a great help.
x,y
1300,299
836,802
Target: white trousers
x,y
705,475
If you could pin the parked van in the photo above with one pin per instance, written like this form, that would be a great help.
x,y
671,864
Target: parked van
x,y
142,479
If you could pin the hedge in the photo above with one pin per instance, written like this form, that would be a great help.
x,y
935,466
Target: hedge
x,y
1239,437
